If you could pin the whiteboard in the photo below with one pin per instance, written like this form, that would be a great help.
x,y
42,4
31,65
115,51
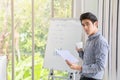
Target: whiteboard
x,y
63,34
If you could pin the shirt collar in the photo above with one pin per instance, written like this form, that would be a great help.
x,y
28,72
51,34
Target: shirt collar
x,y
94,36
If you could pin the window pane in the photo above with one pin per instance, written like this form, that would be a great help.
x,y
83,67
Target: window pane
x,y
5,34
42,22
23,39
62,8
42,15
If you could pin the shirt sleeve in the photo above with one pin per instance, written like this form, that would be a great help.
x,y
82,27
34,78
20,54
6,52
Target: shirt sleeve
x,y
81,54
101,56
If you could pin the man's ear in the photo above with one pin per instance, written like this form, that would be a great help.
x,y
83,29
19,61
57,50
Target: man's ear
x,y
96,24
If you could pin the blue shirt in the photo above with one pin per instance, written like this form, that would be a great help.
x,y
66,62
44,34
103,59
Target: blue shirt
x,y
94,56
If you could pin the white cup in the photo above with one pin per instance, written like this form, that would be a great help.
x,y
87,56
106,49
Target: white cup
x,y
79,45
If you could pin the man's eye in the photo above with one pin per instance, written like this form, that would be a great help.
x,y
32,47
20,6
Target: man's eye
x,y
87,24
83,25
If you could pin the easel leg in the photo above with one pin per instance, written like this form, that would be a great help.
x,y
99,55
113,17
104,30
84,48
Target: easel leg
x,y
50,77
71,76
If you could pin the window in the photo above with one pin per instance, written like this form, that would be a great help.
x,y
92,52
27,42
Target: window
x,y
20,65
62,8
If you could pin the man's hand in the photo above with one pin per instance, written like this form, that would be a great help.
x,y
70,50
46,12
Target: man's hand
x,y
79,49
73,66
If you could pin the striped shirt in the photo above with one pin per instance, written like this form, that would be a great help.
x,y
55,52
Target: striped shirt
x,y
94,56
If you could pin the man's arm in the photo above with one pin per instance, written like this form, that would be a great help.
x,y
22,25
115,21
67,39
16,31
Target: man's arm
x,y
101,55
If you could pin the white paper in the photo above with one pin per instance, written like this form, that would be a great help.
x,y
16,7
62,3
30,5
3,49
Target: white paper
x,y
3,62
66,55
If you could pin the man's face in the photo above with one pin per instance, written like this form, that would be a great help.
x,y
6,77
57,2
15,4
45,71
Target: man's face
x,y
88,26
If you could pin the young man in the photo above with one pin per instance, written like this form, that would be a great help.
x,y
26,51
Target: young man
x,y
95,53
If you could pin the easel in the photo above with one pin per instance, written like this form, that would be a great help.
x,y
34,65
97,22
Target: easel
x,y
58,39
51,76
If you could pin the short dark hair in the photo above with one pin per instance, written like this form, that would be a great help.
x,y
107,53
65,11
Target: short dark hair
x,y
88,15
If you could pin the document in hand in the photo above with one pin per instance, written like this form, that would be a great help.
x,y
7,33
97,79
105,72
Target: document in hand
x,y
66,55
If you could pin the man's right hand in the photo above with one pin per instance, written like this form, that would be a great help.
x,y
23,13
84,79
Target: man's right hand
x,y
74,66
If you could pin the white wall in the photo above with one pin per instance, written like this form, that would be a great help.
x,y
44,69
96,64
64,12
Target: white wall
x,y
108,13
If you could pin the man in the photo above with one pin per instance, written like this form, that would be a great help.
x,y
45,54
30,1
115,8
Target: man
x,y
95,53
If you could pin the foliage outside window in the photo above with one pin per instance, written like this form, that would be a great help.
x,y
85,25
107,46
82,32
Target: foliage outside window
x,y
23,34
62,8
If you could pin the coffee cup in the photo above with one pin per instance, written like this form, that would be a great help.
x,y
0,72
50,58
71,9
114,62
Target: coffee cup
x,y
79,45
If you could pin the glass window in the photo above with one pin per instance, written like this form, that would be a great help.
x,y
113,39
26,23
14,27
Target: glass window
x,y
23,34
62,8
